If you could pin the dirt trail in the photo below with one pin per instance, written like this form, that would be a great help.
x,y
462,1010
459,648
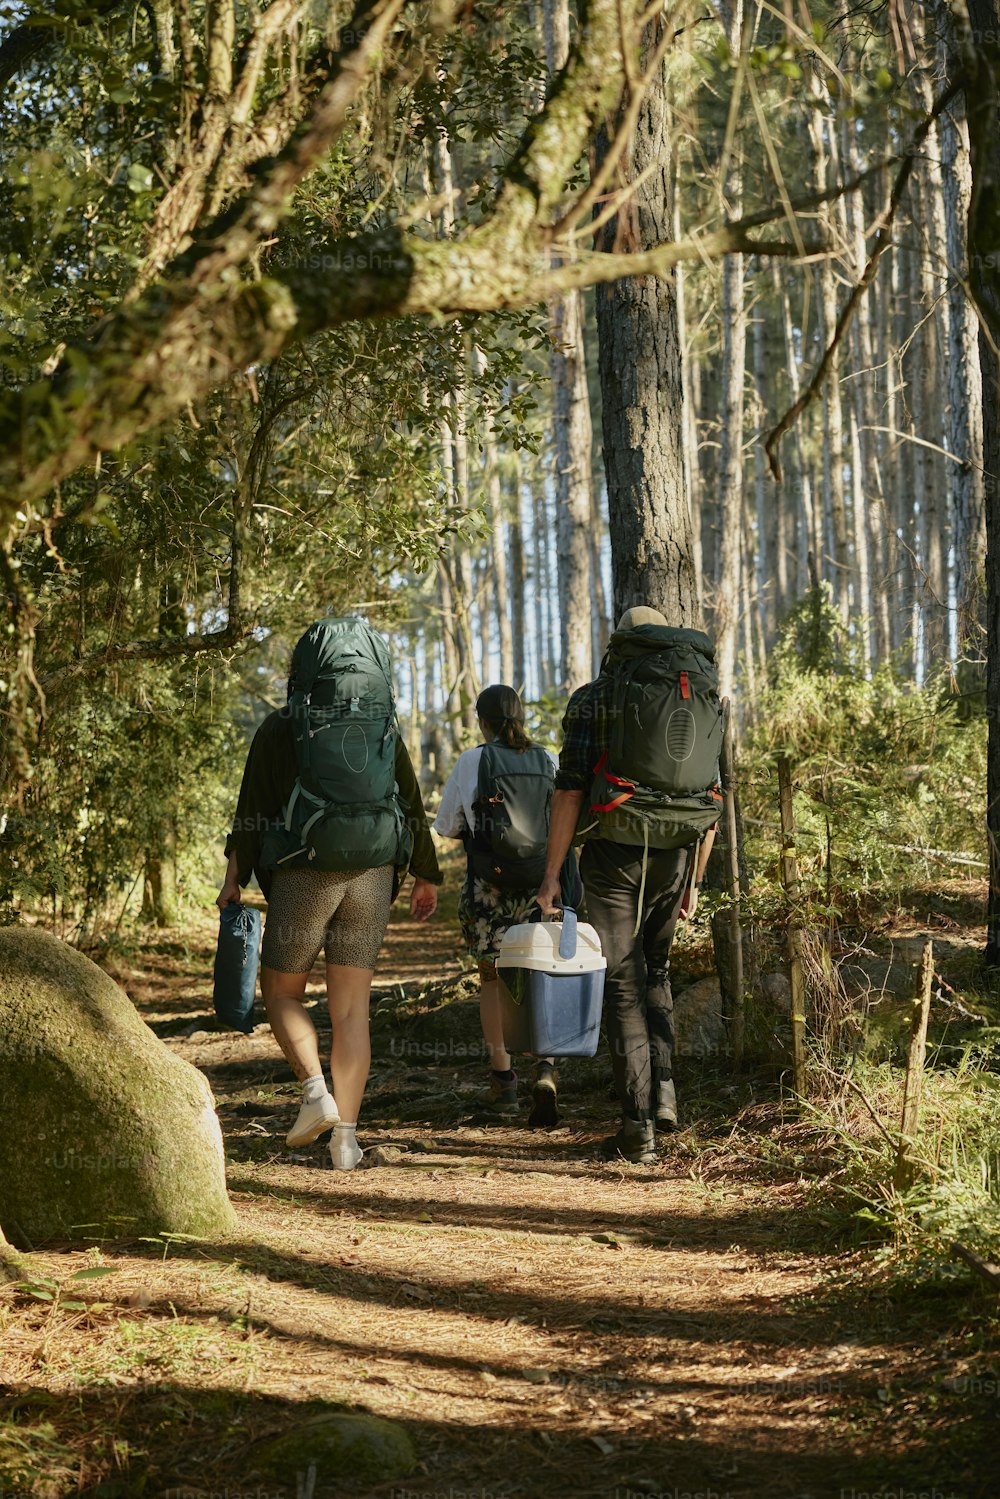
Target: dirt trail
x,y
542,1324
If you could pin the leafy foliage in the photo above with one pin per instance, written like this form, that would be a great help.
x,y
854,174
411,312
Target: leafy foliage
x,y
888,776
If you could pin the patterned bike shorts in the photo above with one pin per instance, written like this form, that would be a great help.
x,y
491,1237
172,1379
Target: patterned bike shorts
x,y
346,914
485,912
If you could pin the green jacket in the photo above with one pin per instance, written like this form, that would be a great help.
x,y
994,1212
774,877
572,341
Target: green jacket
x,y
268,778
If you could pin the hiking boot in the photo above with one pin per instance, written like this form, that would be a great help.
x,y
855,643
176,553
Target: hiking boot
x,y
666,1106
635,1142
502,1096
544,1103
314,1120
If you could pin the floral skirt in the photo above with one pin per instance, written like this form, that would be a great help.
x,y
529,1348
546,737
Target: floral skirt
x,y
485,912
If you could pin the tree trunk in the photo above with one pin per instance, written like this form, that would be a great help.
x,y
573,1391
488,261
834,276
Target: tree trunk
x,y
450,666
519,677
871,519
642,397
834,513
573,438
159,885
689,437
934,357
965,382
799,497
983,105
734,342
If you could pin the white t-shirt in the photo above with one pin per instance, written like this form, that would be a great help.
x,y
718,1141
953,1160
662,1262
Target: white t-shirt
x,y
455,814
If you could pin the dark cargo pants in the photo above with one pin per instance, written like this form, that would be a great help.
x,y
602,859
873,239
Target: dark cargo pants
x,y
639,1007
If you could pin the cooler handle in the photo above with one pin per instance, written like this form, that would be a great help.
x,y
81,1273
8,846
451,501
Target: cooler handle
x,y
567,937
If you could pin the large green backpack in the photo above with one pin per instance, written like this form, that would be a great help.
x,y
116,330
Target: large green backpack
x,y
513,797
345,811
659,734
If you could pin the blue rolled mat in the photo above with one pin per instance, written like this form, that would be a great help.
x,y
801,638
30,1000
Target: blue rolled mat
x,y
236,960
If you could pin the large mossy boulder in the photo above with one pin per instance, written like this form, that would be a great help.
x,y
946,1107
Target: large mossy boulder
x,y
103,1130
345,1445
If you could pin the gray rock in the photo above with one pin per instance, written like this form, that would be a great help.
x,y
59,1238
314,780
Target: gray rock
x,y
346,1445
776,991
102,1127
698,1025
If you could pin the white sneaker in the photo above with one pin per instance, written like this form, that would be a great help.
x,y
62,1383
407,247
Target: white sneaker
x,y
314,1120
345,1152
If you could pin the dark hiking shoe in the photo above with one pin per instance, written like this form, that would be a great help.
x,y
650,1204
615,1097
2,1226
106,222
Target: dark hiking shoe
x,y
501,1099
544,1103
635,1142
666,1107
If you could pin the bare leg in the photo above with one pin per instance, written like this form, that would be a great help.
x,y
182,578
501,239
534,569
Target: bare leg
x,y
293,1029
348,995
491,1016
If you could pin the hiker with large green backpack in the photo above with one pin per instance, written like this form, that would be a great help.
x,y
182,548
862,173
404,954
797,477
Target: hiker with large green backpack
x,y
497,800
330,820
638,785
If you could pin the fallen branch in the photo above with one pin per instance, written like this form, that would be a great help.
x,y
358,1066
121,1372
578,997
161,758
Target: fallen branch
x,y
985,1269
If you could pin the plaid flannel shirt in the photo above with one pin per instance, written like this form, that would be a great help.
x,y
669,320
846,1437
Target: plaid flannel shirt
x,y
582,727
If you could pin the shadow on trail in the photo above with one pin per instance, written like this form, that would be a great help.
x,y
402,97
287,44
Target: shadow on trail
x,y
714,1231
617,1311
170,1437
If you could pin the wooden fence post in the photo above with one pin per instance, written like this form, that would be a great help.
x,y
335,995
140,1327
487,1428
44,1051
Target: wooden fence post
x,y
790,880
728,769
913,1083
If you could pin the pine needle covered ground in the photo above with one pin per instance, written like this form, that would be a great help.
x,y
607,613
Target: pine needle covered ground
x,y
538,1323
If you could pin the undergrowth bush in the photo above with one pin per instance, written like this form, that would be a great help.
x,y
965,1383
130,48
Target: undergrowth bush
x,y
953,1188
889,778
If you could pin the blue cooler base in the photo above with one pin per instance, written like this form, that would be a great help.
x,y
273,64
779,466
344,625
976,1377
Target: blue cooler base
x,y
561,1013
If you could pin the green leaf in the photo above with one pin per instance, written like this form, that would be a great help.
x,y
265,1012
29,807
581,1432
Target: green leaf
x,y
95,1272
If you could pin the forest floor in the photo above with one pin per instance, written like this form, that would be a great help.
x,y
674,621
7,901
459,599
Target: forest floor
x,y
540,1323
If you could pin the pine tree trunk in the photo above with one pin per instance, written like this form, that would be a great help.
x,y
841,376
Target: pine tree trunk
x,y
965,382
802,524
689,437
573,438
734,342
642,396
834,513
906,313
159,886
517,581
934,356
450,664
600,624
767,506
540,637
870,523
983,106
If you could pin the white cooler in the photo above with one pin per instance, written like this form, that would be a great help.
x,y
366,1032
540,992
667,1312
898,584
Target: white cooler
x,y
552,987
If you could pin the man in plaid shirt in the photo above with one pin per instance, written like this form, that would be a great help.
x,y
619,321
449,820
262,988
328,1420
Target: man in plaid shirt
x,y
635,896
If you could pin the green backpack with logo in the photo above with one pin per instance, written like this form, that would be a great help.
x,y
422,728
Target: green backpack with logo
x,y
345,812
658,730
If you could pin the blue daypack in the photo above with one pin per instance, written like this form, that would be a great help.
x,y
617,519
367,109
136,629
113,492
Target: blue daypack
x,y
236,961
